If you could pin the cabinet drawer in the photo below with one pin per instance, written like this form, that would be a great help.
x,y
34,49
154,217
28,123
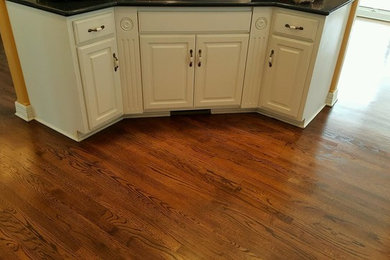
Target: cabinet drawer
x,y
93,27
195,21
302,27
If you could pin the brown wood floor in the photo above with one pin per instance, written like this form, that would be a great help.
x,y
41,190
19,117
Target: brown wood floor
x,y
235,186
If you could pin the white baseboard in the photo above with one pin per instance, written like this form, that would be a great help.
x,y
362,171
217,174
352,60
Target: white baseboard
x,y
149,114
232,110
77,136
43,122
24,112
80,136
372,13
331,99
300,124
307,121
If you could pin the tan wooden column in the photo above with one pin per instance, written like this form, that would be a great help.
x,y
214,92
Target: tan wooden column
x,y
12,56
332,97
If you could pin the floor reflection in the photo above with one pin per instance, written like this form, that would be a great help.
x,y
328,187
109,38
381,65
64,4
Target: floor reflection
x,y
364,87
366,71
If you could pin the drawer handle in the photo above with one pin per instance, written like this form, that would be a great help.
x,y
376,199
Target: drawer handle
x,y
191,57
116,62
97,29
270,59
293,27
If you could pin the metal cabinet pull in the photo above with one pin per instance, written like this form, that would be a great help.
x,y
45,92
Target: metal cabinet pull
x,y
200,58
293,27
116,62
271,58
191,57
97,29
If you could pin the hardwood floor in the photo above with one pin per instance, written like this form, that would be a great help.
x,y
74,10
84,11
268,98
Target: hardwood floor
x,y
234,186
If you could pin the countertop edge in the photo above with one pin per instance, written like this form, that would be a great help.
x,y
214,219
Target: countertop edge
x,y
177,4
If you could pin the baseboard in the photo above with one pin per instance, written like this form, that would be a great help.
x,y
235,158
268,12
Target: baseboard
x,y
331,99
24,112
81,137
149,114
307,121
77,136
43,122
232,110
372,13
300,124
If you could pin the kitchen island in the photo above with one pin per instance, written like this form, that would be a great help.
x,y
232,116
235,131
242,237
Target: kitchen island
x,y
89,64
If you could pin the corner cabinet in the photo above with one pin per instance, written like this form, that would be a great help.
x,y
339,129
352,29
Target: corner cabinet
x,y
99,67
71,68
285,75
101,83
300,59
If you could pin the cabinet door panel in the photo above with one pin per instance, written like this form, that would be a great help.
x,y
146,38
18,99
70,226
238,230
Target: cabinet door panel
x,y
220,69
284,82
101,83
167,76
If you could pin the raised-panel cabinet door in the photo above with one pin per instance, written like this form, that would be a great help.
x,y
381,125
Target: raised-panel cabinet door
x,y
220,67
101,82
167,71
285,75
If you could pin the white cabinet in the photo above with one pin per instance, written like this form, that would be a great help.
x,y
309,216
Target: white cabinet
x,y
174,59
301,56
101,85
99,68
193,57
174,68
285,75
68,66
288,63
168,71
220,69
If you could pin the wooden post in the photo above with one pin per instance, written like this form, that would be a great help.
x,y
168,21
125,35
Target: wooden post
x,y
332,96
12,56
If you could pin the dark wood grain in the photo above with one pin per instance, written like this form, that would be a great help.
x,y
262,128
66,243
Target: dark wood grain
x,y
240,186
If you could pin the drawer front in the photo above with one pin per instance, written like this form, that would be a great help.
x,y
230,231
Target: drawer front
x,y
302,27
171,21
94,27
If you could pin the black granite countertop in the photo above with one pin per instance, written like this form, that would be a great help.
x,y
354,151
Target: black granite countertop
x,y
68,8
